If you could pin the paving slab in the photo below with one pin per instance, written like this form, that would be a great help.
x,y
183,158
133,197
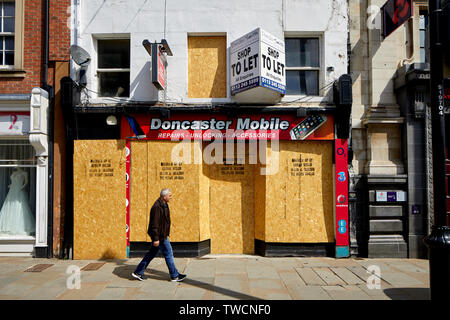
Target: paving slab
x,y
315,262
310,277
406,266
346,292
375,294
270,294
111,293
16,289
256,271
189,293
267,284
291,277
401,280
346,275
329,276
200,268
309,293
230,266
88,291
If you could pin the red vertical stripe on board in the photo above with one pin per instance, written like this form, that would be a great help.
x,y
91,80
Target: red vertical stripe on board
x,y
342,223
128,185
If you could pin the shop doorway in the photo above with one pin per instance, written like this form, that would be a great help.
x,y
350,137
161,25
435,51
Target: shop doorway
x,y
231,201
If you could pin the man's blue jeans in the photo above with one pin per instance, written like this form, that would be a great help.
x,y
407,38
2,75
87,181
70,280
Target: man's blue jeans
x,y
166,250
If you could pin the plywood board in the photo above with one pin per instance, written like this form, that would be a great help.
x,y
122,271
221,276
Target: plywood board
x,y
183,179
99,199
299,197
260,203
204,205
207,67
232,206
139,207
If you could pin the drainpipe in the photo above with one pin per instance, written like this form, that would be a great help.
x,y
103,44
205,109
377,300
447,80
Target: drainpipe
x,y
438,242
51,95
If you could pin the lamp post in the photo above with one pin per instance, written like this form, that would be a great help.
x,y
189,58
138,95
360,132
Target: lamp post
x,y
438,242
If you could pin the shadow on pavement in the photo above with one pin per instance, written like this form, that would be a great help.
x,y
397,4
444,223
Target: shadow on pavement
x,y
124,271
408,293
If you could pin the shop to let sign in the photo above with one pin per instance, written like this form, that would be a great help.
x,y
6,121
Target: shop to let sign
x,y
395,13
257,60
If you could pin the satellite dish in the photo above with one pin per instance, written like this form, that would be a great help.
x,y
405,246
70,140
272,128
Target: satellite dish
x,y
82,58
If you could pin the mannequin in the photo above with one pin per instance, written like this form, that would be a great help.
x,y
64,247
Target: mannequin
x,y
16,217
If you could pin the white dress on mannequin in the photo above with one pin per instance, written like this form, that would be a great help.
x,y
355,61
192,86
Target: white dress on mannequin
x,y
16,217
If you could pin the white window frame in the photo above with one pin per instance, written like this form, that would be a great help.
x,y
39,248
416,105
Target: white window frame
x,y
16,70
308,98
106,70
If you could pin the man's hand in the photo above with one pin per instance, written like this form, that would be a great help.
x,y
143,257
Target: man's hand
x,y
156,243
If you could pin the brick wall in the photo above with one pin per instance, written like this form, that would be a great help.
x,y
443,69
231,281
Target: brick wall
x,y
34,44
59,30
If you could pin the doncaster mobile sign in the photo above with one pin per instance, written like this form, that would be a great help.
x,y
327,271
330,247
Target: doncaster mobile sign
x,y
257,60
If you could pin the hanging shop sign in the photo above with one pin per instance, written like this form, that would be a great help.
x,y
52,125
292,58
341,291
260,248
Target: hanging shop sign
x,y
243,127
395,13
257,60
14,124
159,64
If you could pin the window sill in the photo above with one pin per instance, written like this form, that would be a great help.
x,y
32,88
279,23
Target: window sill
x,y
12,73
4,237
304,99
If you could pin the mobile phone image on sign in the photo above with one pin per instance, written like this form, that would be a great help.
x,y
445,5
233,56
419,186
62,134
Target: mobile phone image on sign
x,y
305,128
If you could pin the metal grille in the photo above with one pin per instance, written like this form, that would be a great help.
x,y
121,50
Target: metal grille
x,y
38,267
93,266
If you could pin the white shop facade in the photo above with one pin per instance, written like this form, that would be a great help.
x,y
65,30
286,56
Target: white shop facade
x,y
24,174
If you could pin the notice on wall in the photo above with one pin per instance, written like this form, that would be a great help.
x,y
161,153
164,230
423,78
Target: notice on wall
x,y
301,167
100,168
257,59
14,124
171,171
232,170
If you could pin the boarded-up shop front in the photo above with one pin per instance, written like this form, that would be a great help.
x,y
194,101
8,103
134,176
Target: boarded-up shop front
x,y
241,185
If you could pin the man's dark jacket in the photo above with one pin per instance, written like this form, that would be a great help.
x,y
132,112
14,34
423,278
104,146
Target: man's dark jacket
x,y
159,226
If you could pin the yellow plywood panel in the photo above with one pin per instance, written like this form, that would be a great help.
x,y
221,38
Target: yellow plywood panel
x,y
99,199
139,207
183,179
232,207
260,204
207,67
204,205
299,197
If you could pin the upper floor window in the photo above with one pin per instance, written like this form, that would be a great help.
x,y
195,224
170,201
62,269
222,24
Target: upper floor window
x,y
302,66
7,32
423,25
113,68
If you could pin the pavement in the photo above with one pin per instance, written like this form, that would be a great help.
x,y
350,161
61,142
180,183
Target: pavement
x,y
218,277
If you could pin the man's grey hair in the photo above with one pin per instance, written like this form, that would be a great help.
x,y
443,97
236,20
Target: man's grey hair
x,y
164,192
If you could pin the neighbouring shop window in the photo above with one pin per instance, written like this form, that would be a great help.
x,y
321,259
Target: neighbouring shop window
x,y
114,67
423,25
17,188
302,66
7,32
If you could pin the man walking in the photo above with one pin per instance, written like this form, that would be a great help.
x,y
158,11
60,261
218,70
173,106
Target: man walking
x,y
158,230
